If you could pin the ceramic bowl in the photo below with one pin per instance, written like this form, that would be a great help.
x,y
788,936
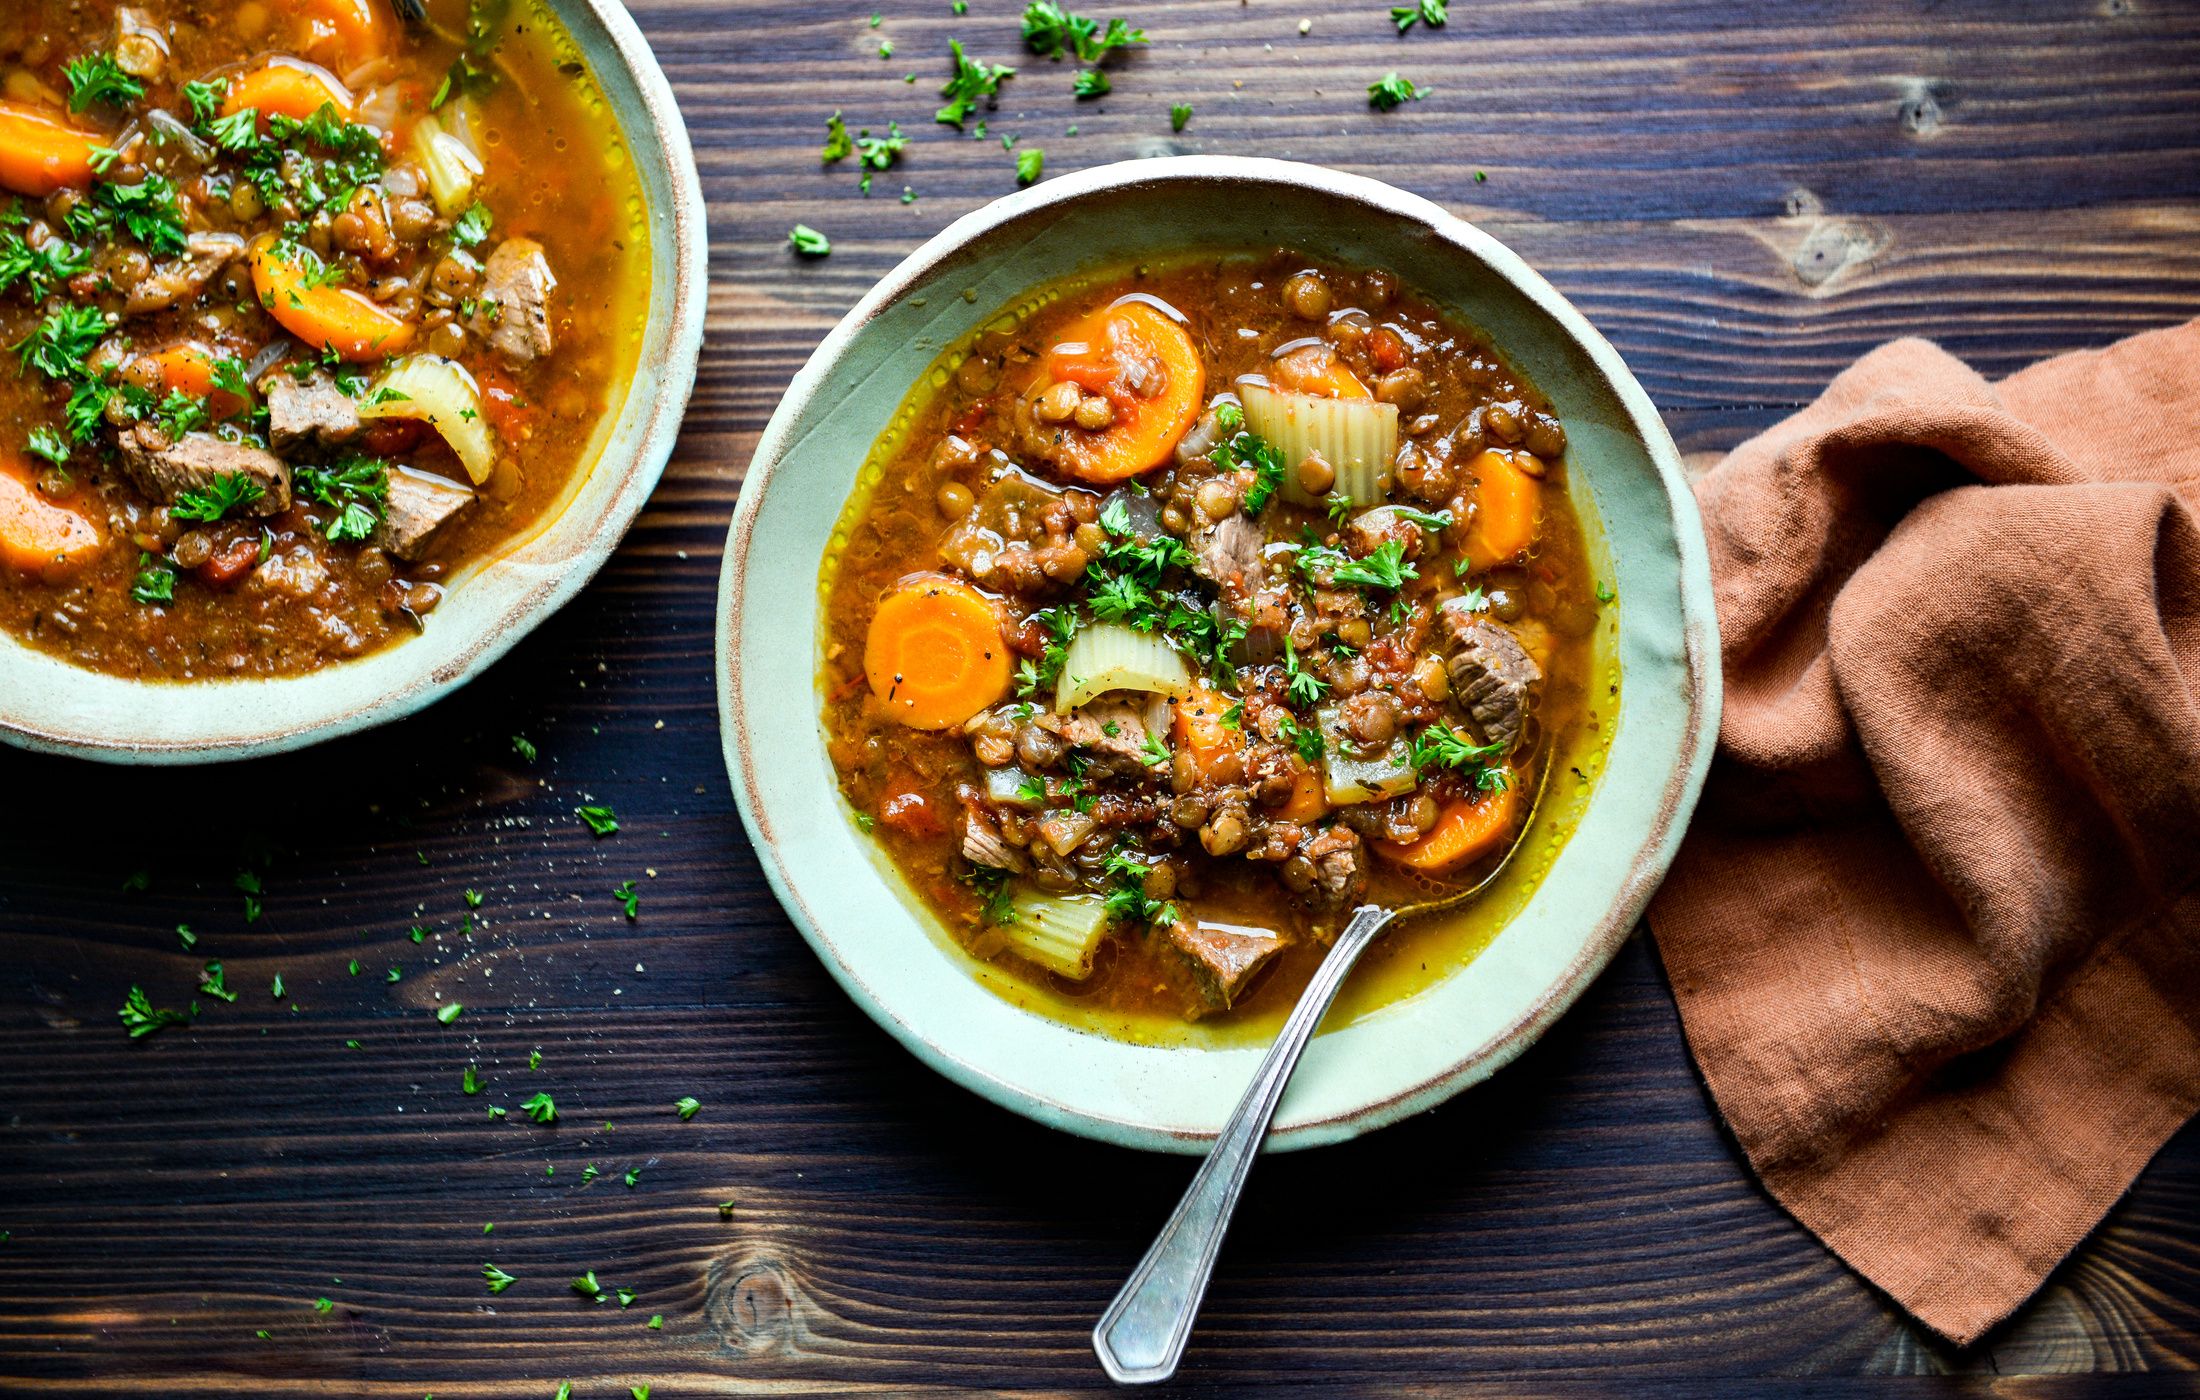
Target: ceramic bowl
x,y
49,705
1405,1056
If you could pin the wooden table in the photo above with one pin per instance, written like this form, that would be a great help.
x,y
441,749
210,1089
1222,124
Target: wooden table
x,y
1744,196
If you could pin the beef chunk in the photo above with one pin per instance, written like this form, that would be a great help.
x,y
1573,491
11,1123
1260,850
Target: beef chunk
x,y
1228,554
1223,958
1114,734
514,314
1340,867
314,413
983,844
419,505
1492,676
164,469
181,280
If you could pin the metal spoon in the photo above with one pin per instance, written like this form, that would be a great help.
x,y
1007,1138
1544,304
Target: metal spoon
x,y
1140,1338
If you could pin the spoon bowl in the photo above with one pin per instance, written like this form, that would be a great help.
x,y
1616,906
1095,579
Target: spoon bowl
x,y
1141,1337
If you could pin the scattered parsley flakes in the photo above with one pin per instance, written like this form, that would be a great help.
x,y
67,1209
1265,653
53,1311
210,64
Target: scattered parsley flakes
x,y
449,1012
1030,161
1391,90
809,242
627,895
470,1082
186,937
155,583
1090,82
142,1018
534,1059
968,85
1429,12
542,1108
587,1286
524,747
1604,592
1052,31
687,1108
496,1278
838,146
633,1178
211,982
1180,115
656,1322
275,987
324,1306
98,77
600,819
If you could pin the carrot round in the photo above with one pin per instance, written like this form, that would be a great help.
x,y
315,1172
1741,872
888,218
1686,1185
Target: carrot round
x,y
189,367
1198,728
1308,801
39,535
41,153
1465,830
347,31
324,316
289,87
934,654
1145,365
1506,502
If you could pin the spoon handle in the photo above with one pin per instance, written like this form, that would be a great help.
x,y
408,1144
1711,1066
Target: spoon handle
x,y
1141,1337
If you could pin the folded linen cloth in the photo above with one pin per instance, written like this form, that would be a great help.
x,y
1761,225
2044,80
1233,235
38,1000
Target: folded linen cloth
x,y
1935,931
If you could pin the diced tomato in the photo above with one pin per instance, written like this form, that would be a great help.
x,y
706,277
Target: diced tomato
x,y
1388,348
510,412
907,809
232,562
386,437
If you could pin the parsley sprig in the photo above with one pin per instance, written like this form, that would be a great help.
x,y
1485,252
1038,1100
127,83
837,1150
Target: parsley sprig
x,y
971,82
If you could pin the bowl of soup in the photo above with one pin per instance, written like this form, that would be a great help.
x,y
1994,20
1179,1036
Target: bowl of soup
x,y
352,338
1195,551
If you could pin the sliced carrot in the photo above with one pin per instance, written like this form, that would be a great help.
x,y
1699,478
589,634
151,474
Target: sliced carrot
x,y
935,655
1464,830
324,316
189,367
38,534
346,32
1308,800
1317,370
1506,503
1199,729
289,87
1147,368
41,153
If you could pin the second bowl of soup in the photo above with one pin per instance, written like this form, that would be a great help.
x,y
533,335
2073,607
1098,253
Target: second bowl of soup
x,y
1193,589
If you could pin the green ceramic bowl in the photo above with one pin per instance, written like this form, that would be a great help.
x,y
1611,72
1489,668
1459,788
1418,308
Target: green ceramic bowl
x,y
1360,1073
47,704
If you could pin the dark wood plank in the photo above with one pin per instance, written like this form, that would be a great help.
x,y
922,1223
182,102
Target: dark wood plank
x,y
1744,197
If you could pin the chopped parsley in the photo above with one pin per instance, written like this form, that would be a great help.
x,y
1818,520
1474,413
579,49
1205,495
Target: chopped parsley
x,y
1052,31
1179,116
686,1107
39,269
449,1011
469,1083
1306,738
496,1278
542,1108
1391,90
141,1018
1249,450
809,242
628,896
1604,592
1441,746
837,144
1386,568
58,346
45,442
600,819
97,77
1030,161
1091,82
472,226
230,491
211,982
524,747
1061,625
969,84
155,583
1429,12
1127,901
1304,688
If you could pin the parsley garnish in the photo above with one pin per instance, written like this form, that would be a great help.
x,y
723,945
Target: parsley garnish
x,y
968,85
496,1278
1127,901
39,269
356,488
1428,12
58,346
809,242
524,747
155,582
628,896
449,1011
686,1108
148,212
1029,162
142,1018
1091,82
1306,738
225,493
1304,688
837,145
469,1083
472,226
45,442
1441,746
599,819
211,982
542,1108
1179,115
1052,31
1249,450
97,77
1386,568
1391,90
1061,625
1604,592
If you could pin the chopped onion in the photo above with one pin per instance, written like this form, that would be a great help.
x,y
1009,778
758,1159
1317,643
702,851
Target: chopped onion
x,y
1009,787
1058,932
443,395
1346,780
450,164
1358,437
1107,656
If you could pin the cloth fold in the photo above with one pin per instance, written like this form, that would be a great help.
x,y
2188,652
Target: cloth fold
x,y
1935,930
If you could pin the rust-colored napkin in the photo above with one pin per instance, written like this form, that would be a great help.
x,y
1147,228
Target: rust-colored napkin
x,y
1935,932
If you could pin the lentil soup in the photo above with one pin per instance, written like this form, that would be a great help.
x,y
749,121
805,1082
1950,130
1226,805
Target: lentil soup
x,y
315,308
1186,607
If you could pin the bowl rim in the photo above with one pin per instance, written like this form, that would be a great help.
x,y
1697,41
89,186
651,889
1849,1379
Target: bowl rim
x,y
664,138
1700,649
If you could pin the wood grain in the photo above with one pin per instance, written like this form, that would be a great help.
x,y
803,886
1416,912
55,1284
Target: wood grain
x,y
1743,196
